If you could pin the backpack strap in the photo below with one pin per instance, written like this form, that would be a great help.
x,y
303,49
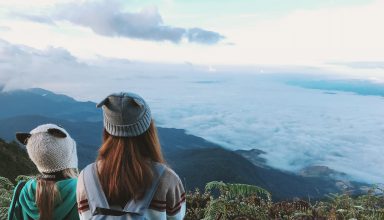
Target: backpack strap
x,y
111,212
140,206
16,196
98,203
95,194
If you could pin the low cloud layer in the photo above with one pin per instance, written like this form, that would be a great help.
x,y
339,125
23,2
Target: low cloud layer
x,y
296,127
108,18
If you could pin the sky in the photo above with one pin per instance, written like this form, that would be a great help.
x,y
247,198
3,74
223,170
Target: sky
x,y
217,69
248,32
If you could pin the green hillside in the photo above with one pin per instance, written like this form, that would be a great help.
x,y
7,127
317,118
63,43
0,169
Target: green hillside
x,y
14,161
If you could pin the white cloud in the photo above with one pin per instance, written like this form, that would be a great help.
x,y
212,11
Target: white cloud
x,y
309,37
108,18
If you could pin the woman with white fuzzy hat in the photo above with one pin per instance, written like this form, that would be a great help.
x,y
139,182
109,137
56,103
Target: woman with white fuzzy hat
x,y
52,195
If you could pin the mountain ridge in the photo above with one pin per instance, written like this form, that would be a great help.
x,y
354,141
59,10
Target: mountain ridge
x,y
47,103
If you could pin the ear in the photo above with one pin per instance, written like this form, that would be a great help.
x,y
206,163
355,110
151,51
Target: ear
x,y
56,133
23,137
102,103
138,102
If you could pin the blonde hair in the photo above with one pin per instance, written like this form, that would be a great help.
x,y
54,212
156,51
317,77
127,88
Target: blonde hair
x,y
47,194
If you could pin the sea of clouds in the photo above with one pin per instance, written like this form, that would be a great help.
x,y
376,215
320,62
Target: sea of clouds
x,y
296,127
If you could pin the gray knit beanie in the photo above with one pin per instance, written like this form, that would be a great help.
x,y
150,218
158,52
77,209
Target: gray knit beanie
x,y
125,114
50,148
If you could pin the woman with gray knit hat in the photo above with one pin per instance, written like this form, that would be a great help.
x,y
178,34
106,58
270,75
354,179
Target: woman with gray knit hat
x,y
129,179
52,195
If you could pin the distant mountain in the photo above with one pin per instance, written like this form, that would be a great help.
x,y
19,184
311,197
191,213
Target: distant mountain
x,y
196,160
199,166
88,135
42,102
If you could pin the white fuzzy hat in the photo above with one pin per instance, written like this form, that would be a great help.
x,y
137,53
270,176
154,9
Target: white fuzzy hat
x,y
50,147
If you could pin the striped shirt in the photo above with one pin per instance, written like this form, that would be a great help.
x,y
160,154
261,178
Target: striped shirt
x,y
167,203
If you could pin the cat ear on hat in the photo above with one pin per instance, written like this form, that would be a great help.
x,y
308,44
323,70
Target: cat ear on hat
x,y
105,101
23,137
138,102
56,133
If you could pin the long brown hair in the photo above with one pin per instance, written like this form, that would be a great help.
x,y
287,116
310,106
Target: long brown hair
x,y
47,194
126,172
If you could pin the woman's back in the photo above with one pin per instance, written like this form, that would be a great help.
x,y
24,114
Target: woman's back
x,y
64,208
125,171
51,195
168,201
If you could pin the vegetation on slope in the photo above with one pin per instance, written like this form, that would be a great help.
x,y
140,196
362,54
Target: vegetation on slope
x,y
239,201
6,193
246,202
14,161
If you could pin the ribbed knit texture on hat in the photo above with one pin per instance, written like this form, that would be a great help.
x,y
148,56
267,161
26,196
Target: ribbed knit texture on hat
x,y
131,130
49,153
125,114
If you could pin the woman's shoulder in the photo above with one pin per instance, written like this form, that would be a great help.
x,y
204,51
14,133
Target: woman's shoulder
x,y
170,194
170,186
170,177
80,181
80,178
28,186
